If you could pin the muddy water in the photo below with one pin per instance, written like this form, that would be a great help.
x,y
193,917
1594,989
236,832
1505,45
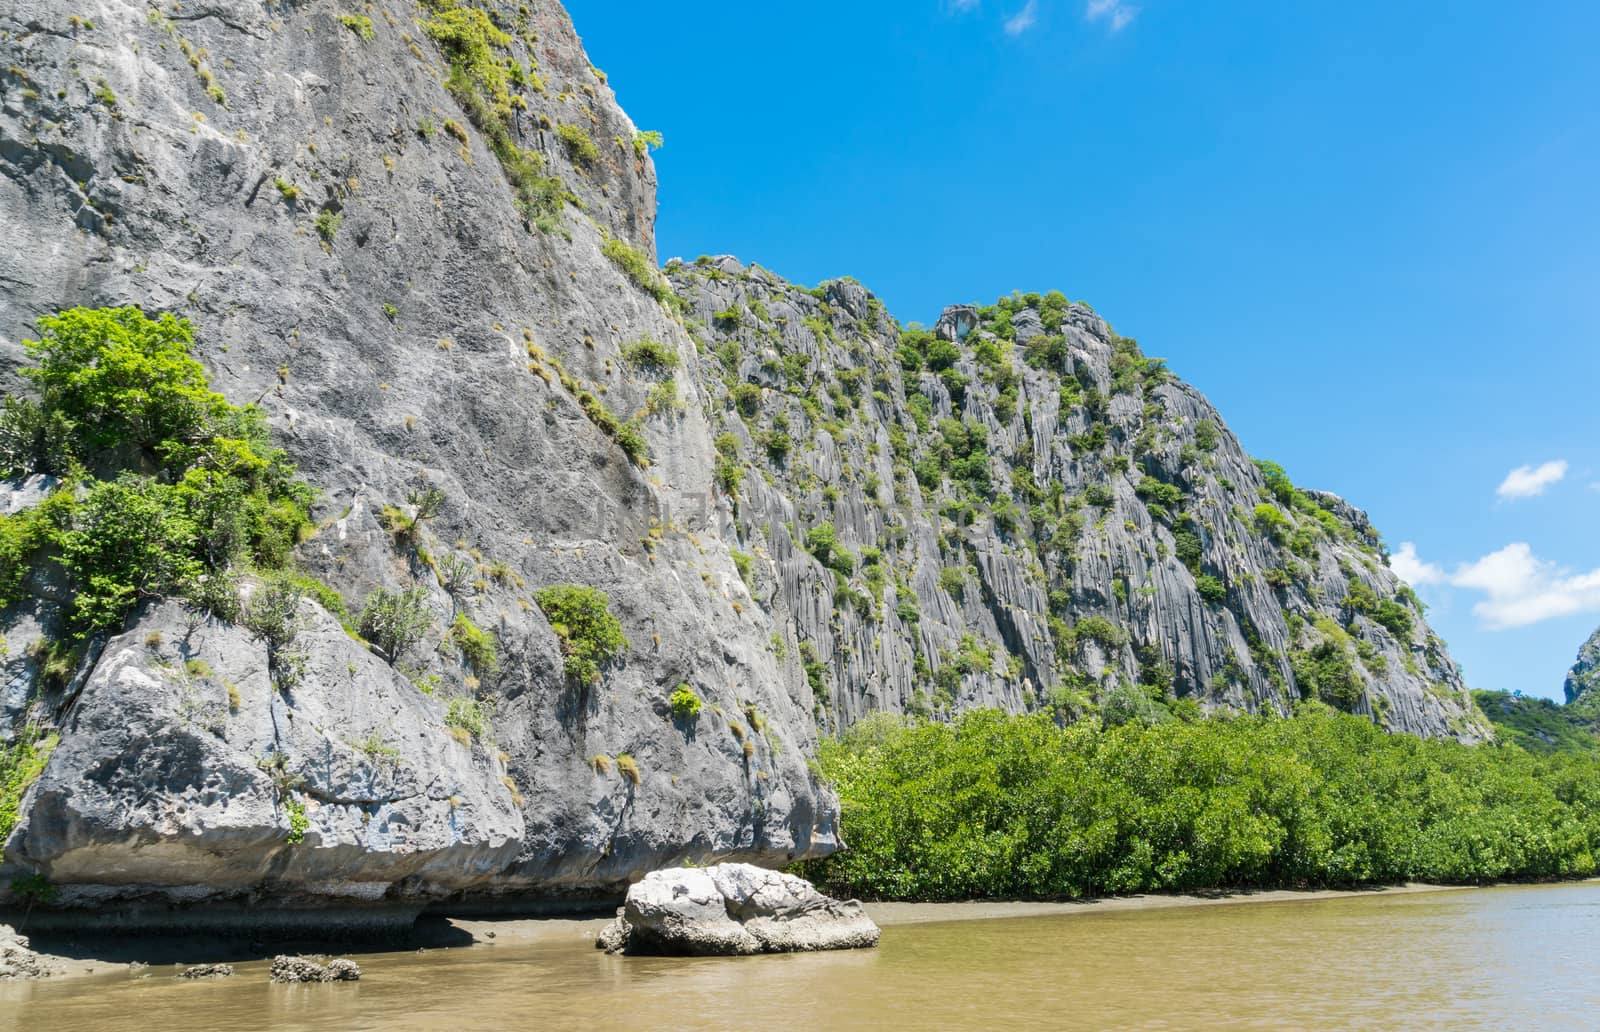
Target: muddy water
x,y
1493,958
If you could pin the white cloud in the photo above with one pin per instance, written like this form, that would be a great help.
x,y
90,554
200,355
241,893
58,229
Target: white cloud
x,y
1529,481
1518,587
1116,13
961,6
1523,589
1023,20
1409,568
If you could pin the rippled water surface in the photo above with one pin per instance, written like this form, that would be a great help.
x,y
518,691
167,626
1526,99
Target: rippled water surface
x,y
1492,958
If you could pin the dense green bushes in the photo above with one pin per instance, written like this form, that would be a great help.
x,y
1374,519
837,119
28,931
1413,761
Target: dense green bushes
x,y
1018,807
1211,589
1540,725
1393,615
169,490
1326,670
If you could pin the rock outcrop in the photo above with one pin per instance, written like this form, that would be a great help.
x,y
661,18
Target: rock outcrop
x,y
196,972
1582,687
321,796
17,959
291,970
428,256
733,909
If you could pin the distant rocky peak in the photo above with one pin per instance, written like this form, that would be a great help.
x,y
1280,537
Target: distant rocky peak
x,y
1583,680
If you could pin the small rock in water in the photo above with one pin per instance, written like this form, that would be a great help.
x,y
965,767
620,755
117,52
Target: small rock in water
x,y
313,969
733,909
207,971
342,970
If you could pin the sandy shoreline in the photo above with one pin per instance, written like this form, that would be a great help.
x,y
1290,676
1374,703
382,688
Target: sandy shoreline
x,y
888,914
79,955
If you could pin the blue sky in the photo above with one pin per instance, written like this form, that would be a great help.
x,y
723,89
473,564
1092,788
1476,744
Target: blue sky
x,y
1370,232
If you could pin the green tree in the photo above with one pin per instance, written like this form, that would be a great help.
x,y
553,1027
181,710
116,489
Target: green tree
x,y
123,380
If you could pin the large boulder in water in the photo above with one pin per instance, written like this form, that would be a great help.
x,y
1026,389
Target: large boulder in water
x,y
733,909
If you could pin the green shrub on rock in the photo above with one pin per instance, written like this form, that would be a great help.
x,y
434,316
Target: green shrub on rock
x,y
1099,629
684,702
579,146
650,354
1393,615
124,381
823,542
468,716
21,763
1211,589
581,618
482,72
1157,492
1326,670
477,646
394,621
168,489
639,268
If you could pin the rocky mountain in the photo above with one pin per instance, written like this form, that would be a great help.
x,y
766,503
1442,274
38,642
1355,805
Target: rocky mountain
x,y
419,239
1582,687
1020,509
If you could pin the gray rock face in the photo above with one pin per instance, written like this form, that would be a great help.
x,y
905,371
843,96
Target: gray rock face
x,y
955,322
291,970
16,495
1582,687
184,773
732,909
354,260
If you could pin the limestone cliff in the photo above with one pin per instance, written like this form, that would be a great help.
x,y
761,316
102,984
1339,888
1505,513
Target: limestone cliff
x,y
420,238
1034,514
320,196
